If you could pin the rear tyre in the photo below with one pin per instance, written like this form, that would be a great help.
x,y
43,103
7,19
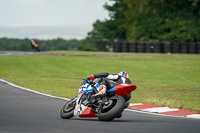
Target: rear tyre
x,y
67,110
115,106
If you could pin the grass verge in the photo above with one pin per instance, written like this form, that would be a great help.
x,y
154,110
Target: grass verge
x,y
168,80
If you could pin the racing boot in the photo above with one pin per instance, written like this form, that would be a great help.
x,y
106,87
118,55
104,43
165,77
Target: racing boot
x,y
101,93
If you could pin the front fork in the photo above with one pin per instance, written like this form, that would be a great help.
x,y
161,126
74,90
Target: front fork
x,y
102,102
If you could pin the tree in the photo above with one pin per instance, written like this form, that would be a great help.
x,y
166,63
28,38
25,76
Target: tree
x,y
22,47
150,20
45,45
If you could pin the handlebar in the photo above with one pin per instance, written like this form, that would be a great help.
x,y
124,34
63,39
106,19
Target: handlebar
x,y
89,81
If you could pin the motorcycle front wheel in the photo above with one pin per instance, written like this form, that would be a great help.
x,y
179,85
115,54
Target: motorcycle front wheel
x,y
112,109
67,110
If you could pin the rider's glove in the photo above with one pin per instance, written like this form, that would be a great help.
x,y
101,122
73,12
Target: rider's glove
x,y
90,77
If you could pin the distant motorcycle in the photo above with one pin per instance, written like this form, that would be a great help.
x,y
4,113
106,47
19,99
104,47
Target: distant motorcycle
x,y
34,45
106,108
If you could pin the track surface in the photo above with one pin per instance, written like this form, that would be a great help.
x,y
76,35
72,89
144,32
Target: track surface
x,y
26,112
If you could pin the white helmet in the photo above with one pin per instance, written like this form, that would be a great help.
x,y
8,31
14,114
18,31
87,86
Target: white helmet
x,y
123,74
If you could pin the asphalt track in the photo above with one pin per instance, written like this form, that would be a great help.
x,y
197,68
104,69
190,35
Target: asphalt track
x,y
26,112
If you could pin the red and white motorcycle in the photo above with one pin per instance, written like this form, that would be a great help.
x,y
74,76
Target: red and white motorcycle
x,y
106,108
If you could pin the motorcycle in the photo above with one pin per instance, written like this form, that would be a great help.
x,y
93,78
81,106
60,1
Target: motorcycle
x,y
106,107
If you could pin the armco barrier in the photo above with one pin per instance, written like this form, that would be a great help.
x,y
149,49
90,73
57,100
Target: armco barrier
x,y
157,47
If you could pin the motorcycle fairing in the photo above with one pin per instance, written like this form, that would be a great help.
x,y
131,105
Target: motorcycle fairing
x,y
87,113
122,89
80,108
85,87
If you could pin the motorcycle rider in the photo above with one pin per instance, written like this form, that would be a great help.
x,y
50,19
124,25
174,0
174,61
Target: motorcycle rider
x,y
34,45
108,81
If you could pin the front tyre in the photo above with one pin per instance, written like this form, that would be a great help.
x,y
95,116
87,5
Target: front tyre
x,y
115,106
67,110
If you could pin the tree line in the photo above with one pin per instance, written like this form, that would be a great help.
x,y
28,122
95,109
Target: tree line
x,y
148,21
44,45
131,21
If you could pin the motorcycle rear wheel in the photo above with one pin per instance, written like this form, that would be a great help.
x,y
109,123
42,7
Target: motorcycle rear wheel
x,y
115,106
67,110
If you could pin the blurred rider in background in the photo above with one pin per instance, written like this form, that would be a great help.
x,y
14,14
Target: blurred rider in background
x,y
34,45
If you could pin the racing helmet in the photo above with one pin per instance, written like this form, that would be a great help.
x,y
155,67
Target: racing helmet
x,y
123,74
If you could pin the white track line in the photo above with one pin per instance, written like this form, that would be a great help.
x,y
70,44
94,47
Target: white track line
x,y
134,104
197,116
144,112
159,109
32,90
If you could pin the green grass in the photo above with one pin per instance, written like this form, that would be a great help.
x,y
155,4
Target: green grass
x,y
168,80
